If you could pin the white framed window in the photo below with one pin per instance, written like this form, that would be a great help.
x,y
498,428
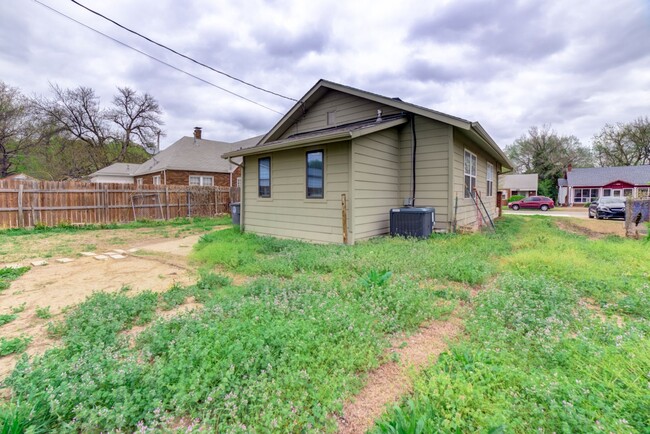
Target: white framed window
x,y
585,195
607,192
238,182
139,182
264,177
470,173
627,192
643,193
156,180
201,180
490,179
315,175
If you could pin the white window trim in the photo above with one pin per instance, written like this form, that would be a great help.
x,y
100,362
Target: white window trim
x,y
490,180
156,179
202,180
140,181
467,194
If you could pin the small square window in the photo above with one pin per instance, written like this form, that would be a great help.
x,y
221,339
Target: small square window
x,y
156,180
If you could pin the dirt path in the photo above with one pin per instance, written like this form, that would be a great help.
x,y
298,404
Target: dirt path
x,y
592,228
388,383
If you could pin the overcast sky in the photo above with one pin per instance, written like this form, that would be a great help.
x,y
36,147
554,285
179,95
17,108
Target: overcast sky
x,y
509,65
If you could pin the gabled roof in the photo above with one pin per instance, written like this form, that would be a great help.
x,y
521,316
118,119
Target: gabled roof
x,y
520,182
327,135
593,176
117,169
472,129
199,155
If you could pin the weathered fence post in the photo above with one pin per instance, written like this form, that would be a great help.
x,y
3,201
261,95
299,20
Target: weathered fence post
x,y
105,203
21,216
167,201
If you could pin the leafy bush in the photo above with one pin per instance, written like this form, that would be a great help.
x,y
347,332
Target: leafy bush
x,y
515,197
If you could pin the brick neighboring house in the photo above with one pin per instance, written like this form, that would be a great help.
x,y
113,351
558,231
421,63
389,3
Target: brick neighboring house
x,y
194,161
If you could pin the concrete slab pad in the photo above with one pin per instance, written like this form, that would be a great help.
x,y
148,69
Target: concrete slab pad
x,y
116,256
64,260
101,257
38,263
133,250
88,254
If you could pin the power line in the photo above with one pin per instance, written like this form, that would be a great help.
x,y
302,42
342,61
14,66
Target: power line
x,y
181,54
157,60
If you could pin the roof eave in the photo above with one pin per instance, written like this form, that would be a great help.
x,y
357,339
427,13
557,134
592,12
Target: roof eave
x,y
310,141
485,137
307,141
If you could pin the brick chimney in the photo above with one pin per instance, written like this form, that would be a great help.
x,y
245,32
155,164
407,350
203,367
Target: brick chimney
x,y
197,132
568,168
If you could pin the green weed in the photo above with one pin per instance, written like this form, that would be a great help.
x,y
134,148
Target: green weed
x,y
13,345
43,312
8,274
6,318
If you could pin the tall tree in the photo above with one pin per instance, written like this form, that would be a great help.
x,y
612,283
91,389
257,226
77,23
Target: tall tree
x,y
545,152
138,116
16,128
624,144
132,121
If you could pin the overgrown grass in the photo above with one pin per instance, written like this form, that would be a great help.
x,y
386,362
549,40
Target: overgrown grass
x,y
538,358
8,274
277,354
467,259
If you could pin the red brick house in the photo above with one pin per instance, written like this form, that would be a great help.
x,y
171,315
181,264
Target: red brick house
x,y
193,161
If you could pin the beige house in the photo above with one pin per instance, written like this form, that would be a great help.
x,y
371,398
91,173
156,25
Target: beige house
x,y
333,167
524,185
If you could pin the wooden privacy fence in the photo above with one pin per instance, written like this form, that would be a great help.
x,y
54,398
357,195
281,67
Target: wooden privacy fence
x,y
49,203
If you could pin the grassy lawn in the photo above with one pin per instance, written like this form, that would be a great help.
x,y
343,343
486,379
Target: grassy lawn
x,y
558,343
556,340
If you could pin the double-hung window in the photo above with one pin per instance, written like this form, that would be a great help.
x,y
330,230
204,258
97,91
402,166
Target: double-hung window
x,y
470,173
156,180
490,179
315,175
264,177
201,180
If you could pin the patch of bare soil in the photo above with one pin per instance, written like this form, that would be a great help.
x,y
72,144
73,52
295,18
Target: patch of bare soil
x,y
388,383
592,228
594,307
157,266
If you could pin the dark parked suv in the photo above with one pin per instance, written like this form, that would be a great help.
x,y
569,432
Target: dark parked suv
x,y
533,202
608,207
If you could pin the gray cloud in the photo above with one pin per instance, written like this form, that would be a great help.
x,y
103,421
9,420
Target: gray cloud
x,y
495,28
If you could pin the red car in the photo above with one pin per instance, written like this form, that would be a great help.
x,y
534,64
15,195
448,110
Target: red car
x,y
533,202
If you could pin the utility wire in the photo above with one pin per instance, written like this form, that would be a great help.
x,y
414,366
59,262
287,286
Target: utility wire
x,y
156,59
181,54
